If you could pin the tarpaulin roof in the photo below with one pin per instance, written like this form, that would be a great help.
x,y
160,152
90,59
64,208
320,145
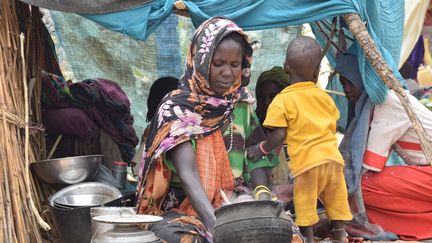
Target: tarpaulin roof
x,y
384,21
87,6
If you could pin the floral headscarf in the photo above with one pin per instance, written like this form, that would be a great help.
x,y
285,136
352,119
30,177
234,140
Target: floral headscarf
x,y
194,110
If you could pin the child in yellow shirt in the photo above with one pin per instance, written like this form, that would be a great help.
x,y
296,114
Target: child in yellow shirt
x,y
305,117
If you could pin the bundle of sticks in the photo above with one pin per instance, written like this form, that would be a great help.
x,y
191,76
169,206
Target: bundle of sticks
x,y
21,142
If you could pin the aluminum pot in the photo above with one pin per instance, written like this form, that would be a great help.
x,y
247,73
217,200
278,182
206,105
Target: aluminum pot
x,y
126,228
73,224
127,233
99,228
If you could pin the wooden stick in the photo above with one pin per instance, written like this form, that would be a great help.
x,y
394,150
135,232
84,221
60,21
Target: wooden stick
x,y
360,32
334,92
7,204
329,38
41,222
224,197
54,147
19,215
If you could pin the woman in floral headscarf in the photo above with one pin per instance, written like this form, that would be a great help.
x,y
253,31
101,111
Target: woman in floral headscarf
x,y
186,161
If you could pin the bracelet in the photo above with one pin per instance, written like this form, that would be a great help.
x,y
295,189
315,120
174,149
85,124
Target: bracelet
x,y
261,191
261,147
261,186
264,189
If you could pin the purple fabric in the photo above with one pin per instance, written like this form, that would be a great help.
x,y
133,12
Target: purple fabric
x,y
416,57
70,121
55,92
108,105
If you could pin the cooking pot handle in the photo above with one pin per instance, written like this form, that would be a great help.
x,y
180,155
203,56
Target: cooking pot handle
x,y
126,213
279,208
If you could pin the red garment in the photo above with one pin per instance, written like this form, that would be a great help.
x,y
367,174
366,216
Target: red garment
x,y
399,198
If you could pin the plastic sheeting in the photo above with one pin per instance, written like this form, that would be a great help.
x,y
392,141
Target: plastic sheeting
x,y
384,21
87,50
87,6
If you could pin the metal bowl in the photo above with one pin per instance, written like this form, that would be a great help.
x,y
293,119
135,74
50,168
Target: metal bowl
x,y
67,171
86,192
82,200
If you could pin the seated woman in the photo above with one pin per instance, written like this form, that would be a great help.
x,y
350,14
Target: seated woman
x,y
186,160
161,87
398,198
269,84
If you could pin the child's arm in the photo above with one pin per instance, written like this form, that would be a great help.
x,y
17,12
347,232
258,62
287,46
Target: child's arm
x,y
274,139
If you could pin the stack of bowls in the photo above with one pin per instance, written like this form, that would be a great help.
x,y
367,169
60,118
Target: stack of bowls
x,y
86,194
71,208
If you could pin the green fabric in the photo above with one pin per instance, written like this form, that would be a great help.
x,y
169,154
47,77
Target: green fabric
x,y
245,122
175,180
276,74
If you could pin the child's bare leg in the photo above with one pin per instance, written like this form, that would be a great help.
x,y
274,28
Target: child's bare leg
x,y
307,231
338,233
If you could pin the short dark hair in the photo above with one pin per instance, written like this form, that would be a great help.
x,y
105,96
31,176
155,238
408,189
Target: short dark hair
x,y
158,90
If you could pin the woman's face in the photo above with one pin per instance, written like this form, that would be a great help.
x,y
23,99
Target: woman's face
x,y
352,93
226,66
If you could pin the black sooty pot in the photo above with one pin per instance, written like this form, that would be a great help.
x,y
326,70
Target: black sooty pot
x,y
252,222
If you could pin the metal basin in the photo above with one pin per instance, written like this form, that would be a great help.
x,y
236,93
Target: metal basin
x,y
82,200
83,193
66,171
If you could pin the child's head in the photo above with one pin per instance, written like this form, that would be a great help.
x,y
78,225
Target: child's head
x,y
158,90
303,58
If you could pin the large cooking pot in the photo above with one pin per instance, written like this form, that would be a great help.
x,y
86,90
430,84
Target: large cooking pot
x,y
73,223
125,228
252,222
127,233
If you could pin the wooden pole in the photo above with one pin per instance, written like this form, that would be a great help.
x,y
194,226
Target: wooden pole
x,y
19,217
356,26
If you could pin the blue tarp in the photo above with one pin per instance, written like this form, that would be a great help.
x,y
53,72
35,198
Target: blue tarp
x,y
384,20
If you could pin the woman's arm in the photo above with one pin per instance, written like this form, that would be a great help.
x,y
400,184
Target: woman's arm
x,y
260,177
184,160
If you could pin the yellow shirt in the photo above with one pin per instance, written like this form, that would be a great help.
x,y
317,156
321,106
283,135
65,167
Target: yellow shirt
x,y
310,116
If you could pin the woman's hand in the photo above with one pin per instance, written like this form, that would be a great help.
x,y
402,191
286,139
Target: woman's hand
x,y
284,192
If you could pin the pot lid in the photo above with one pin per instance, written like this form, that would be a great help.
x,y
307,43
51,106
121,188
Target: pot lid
x,y
127,219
